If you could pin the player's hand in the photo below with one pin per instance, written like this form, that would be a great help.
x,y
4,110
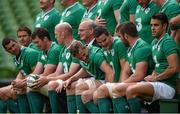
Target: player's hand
x,y
40,82
99,21
67,83
60,87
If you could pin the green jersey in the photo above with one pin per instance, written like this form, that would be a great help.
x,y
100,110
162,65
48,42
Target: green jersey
x,y
171,9
106,10
161,50
33,46
48,20
115,55
27,60
65,58
52,56
73,15
91,13
96,58
128,8
143,19
140,52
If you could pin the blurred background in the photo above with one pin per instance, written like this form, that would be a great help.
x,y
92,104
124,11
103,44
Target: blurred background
x,y
15,13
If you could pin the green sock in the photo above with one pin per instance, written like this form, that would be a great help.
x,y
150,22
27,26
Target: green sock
x,y
92,107
36,102
23,103
120,105
71,103
80,105
134,105
3,106
53,101
105,105
12,106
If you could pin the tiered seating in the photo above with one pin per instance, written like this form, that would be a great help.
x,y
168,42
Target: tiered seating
x,y
21,13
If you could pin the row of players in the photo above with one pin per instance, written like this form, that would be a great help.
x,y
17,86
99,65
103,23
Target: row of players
x,y
90,74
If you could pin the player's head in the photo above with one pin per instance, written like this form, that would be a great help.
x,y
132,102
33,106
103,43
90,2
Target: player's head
x,y
79,51
24,35
11,46
41,37
86,30
63,31
127,31
103,37
46,5
159,24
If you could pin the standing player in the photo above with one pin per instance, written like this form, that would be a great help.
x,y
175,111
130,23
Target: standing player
x,y
48,18
108,14
72,14
91,9
144,11
128,10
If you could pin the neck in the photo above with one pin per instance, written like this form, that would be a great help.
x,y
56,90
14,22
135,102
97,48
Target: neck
x,y
158,38
88,40
47,9
92,5
48,45
133,41
68,41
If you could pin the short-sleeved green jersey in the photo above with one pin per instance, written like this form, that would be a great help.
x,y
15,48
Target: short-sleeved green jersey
x,y
91,13
161,50
143,19
48,20
127,8
52,56
33,46
140,52
96,58
106,10
114,56
26,60
65,58
171,9
73,15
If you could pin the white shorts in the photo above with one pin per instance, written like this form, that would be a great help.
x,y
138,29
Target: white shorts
x,y
109,87
162,91
91,82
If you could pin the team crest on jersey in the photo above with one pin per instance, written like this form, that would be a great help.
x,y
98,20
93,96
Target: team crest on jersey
x,y
147,10
105,1
90,14
46,17
129,54
137,11
38,25
37,19
67,55
68,13
112,52
43,57
105,53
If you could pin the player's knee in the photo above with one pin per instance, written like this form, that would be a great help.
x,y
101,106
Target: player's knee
x,y
80,87
131,91
52,85
86,97
102,92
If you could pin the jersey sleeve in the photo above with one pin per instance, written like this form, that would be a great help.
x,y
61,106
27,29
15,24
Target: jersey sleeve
x,y
132,4
99,58
169,47
142,54
116,4
121,50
